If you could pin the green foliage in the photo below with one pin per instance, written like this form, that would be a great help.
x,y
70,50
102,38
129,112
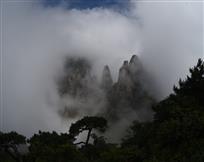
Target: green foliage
x,y
47,138
11,138
118,154
51,147
193,85
87,124
9,144
177,131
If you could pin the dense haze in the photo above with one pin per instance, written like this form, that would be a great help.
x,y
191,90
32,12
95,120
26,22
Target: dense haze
x,y
36,40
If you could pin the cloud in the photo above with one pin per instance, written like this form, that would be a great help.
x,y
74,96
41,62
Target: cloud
x,y
172,39
36,39
167,36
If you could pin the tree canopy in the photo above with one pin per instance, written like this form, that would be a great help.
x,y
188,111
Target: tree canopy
x,y
88,124
177,131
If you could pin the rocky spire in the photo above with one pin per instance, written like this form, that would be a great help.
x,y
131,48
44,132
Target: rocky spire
x,y
107,80
124,74
129,72
128,94
135,64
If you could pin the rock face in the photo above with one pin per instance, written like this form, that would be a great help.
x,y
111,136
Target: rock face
x,y
128,93
124,75
75,78
78,89
86,96
130,72
106,81
120,102
135,65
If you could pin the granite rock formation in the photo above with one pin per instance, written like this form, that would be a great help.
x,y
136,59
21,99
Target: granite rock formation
x,y
87,96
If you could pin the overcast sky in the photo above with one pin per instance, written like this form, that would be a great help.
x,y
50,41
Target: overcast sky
x,y
36,35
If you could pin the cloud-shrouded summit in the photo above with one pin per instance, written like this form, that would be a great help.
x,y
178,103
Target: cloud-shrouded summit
x,y
37,39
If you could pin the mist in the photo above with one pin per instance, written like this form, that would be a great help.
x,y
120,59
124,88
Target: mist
x,y
168,37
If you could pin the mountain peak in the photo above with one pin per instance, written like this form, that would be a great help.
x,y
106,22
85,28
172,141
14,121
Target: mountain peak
x,y
107,80
128,71
125,63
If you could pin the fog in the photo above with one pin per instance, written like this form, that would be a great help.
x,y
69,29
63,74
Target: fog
x,y
168,37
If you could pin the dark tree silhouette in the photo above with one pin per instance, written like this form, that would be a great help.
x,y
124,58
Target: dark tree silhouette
x,y
177,131
52,147
9,143
193,85
88,124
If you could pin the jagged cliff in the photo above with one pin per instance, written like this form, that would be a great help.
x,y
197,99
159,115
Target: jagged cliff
x,y
106,81
79,89
77,75
128,93
115,100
